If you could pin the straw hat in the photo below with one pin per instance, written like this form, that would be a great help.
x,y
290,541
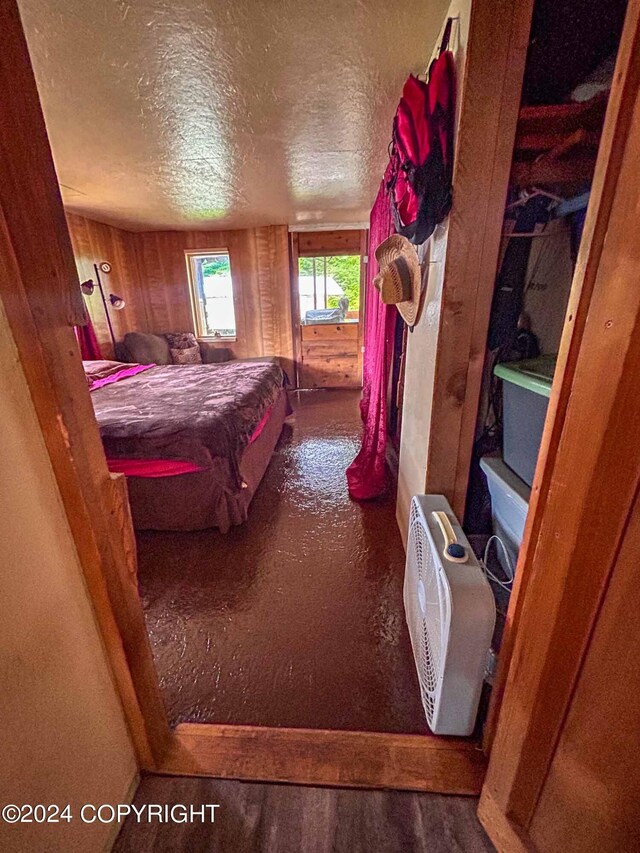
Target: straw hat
x,y
399,280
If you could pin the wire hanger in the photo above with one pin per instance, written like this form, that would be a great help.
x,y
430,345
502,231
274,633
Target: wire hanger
x,y
534,192
525,196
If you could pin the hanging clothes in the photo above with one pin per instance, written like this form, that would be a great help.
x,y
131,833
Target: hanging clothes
x,y
419,174
508,296
366,476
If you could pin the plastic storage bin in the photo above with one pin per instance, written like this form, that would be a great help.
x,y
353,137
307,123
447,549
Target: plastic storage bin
x,y
525,397
509,506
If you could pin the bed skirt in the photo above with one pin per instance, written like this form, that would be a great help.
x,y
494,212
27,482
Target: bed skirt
x,y
199,500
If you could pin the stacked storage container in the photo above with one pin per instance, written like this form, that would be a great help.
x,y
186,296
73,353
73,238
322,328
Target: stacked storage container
x,y
526,388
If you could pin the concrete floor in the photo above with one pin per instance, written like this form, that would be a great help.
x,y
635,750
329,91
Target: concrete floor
x,y
296,617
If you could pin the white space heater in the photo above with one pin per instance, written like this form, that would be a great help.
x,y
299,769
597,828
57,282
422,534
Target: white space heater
x,y
450,612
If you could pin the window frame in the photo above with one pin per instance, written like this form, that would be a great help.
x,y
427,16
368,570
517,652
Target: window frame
x,y
198,319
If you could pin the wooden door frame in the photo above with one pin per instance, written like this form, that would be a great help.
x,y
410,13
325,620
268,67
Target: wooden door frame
x,y
364,263
40,294
295,304
324,242
573,534
37,274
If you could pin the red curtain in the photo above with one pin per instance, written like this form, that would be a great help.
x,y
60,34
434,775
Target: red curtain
x,y
366,476
87,341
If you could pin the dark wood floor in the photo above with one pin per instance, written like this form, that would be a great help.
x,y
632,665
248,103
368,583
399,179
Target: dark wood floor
x,y
296,617
255,817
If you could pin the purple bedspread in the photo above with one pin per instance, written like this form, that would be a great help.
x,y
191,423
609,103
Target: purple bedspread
x,y
197,413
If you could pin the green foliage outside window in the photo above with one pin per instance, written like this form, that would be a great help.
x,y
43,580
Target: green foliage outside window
x,y
345,269
216,265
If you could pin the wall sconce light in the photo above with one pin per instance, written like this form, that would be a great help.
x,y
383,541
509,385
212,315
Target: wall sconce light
x,y
117,302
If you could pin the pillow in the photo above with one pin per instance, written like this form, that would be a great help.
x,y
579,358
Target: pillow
x,y
181,340
184,348
190,355
212,354
147,349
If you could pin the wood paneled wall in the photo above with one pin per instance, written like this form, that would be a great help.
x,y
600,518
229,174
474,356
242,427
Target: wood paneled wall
x,y
150,273
260,272
92,243
343,242
421,355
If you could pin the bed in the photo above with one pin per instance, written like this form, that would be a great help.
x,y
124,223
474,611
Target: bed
x,y
194,441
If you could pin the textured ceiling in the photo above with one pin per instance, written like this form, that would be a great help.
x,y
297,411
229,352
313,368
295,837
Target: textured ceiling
x,y
218,114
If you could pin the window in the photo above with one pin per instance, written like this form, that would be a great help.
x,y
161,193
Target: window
x,y
328,286
211,287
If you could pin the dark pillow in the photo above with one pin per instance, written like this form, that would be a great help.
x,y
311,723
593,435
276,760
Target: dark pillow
x,y
147,349
212,354
184,348
262,359
122,353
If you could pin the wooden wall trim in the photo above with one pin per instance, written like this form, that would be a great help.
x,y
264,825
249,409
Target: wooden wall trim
x,y
39,289
589,469
504,834
319,757
491,94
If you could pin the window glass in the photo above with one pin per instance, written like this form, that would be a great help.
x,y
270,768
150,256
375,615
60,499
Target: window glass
x,y
212,294
329,288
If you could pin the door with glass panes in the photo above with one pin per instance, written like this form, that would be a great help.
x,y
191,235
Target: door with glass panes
x,y
327,285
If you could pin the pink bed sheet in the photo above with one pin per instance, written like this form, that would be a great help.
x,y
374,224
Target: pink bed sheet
x,y
151,467
165,467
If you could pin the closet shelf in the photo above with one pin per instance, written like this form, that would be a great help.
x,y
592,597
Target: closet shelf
x,y
557,145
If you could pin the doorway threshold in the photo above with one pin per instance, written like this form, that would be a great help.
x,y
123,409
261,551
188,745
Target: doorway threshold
x,y
345,759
